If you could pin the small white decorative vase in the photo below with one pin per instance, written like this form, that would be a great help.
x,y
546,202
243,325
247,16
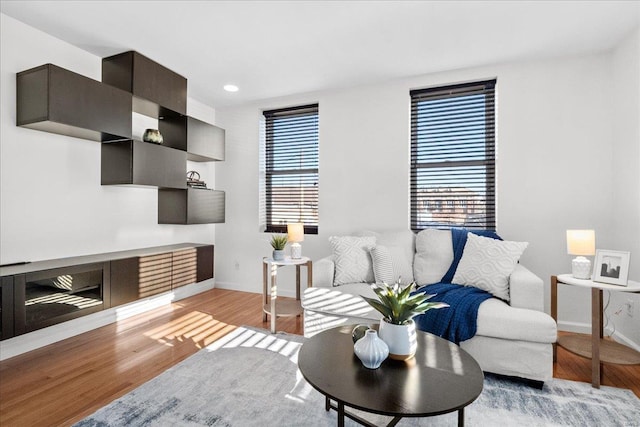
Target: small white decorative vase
x,y
371,350
401,339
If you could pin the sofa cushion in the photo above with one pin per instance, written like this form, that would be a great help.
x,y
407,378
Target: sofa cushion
x,y
487,263
352,259
434,255
390,264
527,325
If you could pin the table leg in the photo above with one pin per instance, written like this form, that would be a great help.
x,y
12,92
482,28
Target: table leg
x,y
596,335
327,403
461,417
265,279
274,296
340,414
554,310
309,274
298,282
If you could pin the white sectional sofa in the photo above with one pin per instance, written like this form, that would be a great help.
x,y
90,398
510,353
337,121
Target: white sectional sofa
x,y
514,339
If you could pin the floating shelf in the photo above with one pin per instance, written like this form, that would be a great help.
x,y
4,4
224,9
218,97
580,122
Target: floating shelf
x,y
191,206
53,99
157,91
202,142
142,164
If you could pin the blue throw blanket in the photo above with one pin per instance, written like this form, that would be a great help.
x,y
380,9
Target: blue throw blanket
x,y
459,322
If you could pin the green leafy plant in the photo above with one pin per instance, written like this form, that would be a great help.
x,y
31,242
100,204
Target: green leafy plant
x,y
278,241
398,306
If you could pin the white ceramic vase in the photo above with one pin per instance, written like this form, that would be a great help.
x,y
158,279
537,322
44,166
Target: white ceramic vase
x,y
401,339
278,255
371,350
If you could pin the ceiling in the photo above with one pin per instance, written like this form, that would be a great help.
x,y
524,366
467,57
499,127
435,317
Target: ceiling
x,y
278,48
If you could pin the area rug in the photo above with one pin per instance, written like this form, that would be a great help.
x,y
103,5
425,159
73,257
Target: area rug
x,y
250,378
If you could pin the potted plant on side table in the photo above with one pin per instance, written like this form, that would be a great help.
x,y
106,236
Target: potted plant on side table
x,y
278,242
398,308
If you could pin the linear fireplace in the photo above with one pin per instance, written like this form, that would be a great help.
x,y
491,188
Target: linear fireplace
x,y
47,297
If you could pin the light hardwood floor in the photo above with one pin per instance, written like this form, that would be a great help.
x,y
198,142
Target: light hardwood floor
x,y
66,381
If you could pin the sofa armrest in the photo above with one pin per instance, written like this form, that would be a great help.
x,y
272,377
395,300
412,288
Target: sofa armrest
x,y
323,270
526,289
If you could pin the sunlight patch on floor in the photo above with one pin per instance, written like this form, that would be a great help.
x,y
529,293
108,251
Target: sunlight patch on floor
x,y
195,327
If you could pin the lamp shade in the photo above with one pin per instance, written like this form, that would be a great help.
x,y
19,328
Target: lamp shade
x,y
295,232
581,242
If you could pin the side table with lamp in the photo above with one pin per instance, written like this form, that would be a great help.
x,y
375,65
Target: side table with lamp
x,y
594,346
270,303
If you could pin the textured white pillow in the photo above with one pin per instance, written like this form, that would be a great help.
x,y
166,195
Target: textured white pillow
x,y
487,264
390,263
434,255
352,260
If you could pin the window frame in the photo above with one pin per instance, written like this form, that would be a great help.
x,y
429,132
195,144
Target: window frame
x,y
488,162
271,171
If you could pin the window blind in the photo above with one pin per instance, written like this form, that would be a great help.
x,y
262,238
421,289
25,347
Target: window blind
x,y
453,156
291,168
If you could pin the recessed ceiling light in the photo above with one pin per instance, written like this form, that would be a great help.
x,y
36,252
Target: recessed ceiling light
x,y
230,88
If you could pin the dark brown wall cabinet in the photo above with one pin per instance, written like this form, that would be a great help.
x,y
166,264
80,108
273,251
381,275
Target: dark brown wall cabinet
x,y
144,164
140,277
202,142
44,293
191,265
155,88
6,306
53,99
191,206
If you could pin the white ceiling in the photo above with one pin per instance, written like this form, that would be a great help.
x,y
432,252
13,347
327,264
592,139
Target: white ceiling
x,y
277,48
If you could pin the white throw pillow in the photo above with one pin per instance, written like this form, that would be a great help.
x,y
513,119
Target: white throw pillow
x,y
487,264
389,264
404,239
434,255
352,260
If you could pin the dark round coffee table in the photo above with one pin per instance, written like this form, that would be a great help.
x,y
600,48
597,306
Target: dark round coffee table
x,y
441,378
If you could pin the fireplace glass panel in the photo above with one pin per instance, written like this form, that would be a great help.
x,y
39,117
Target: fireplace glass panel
x,y
59,297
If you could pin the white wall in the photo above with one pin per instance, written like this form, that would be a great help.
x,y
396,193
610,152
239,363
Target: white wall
x,y
626,176
52,203
555,167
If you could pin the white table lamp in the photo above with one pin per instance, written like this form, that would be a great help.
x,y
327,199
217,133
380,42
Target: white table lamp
x,y
295,234
581,243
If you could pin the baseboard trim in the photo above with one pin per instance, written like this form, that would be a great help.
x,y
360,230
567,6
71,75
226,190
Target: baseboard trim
x,y
585,328
43,337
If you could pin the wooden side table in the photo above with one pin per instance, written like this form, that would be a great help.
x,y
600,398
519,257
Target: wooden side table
x,y
270,303
593,346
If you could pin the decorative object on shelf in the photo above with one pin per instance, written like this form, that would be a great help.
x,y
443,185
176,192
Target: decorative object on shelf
x,y
358,332
611,267
295,233
581,243
152,135
194,181
278,242
371,350
398,307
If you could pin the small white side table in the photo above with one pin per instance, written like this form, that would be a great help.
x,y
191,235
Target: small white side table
x,y
593,347
270,303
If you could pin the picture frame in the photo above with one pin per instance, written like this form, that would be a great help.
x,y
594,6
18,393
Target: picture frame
x,y
611,267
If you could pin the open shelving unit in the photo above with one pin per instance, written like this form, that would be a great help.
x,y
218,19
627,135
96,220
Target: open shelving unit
x,y
53,99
